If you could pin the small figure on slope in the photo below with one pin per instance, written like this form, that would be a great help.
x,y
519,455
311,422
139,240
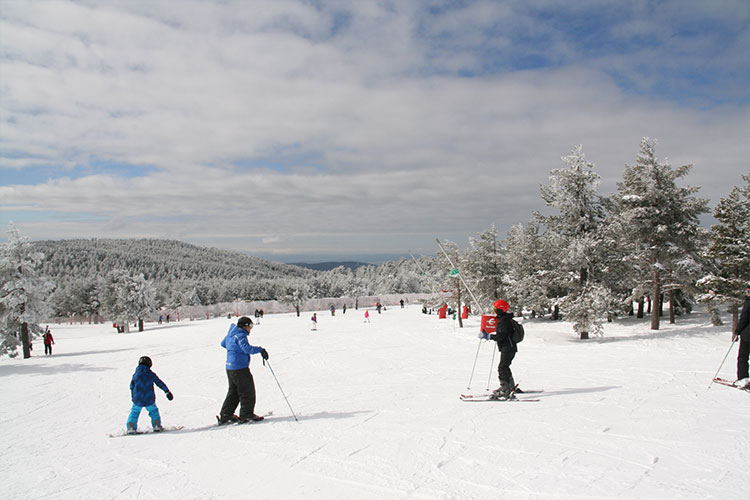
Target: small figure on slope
x,y
314,320
367,315
504,337
48,341
743,332
241,389
142,395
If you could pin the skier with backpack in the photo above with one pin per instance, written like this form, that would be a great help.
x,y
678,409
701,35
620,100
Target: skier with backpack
x,y
507,335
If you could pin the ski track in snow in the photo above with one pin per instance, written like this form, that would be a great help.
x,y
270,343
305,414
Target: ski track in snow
x,y
627,415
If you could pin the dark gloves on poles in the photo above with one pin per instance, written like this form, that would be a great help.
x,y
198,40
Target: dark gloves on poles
x,y
264,353
484,335
170,396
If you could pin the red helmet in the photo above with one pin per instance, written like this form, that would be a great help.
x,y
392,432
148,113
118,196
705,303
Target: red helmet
x,y
502,305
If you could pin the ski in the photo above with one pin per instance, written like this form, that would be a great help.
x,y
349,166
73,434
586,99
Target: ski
x,y
138,433
729,383
236,421
478,398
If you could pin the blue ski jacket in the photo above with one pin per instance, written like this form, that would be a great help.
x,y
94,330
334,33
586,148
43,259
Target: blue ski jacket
x,y
238,348
142,386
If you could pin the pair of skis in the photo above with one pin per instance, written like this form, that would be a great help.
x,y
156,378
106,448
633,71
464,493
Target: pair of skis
x,y
489,396
729,383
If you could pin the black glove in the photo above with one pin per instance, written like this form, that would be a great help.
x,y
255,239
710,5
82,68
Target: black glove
x,y
170,396
263,353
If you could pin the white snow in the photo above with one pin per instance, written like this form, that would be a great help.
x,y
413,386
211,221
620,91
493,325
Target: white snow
x,y
628,415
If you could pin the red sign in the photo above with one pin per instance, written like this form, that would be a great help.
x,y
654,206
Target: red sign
x,y
489,323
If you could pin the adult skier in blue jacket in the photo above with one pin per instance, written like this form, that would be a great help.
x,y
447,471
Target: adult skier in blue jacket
x,y
241,383
142,395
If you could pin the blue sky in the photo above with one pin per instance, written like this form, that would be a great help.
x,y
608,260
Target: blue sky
x,y
306,130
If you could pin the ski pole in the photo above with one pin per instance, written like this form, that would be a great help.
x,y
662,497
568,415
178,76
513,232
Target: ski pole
x,y
282,390
492,364
723,360
468,386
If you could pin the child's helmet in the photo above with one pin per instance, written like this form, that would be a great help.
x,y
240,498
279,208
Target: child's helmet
x,y
502,305
145,360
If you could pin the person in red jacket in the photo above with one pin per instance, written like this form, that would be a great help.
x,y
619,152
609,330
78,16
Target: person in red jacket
x,y
48,341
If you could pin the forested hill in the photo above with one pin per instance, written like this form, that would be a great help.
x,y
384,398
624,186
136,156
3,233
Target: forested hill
x,y
158,260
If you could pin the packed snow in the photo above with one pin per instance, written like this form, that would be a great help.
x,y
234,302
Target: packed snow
x,y
627,415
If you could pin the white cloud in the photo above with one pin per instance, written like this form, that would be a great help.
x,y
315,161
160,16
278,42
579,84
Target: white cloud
x,y
375,130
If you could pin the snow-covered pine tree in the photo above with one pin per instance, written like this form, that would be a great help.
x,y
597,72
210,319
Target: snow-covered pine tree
x,y
295,294
659,222
125,297
483,263
23,296
572,191
531,277
728,253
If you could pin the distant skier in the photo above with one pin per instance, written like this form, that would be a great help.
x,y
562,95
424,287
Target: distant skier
x,y
333,310
48,341
378,306
314,320
142,395
402,303
742,333
367,315
343,309
241,384
504,337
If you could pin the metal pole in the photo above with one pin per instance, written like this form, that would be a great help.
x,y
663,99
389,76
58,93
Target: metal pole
x,y
481,311
460,276
492,365
725,358
282,390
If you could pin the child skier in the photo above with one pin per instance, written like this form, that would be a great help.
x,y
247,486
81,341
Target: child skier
x,y
314,320
142,394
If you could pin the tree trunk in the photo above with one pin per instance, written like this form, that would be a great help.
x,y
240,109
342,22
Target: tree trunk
x,y
140,324
640,308
356,304
584,335
25,340
655,295
556,313
671,307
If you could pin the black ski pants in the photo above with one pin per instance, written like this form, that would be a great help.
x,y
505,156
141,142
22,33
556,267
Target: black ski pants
x,y
742,359
503,369
241,391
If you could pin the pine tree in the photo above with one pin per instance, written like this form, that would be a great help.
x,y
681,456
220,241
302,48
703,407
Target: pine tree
x,y
125,297
24,293
572,191
659,223
483,266
728,253
531,266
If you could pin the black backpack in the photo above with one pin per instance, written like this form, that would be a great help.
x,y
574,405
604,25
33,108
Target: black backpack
x,y
518,332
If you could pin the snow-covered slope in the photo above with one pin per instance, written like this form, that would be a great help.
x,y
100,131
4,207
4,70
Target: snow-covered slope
x,y
627,416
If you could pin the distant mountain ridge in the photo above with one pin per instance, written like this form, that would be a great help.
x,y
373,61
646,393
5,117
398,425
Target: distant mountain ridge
x,y
327,266
160,260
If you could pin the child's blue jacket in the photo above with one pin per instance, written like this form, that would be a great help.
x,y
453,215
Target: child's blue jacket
x,y
142,386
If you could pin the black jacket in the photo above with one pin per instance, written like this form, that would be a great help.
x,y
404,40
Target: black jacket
x,y
742,324
504,333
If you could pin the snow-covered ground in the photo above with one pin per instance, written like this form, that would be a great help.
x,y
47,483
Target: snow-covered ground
x,y
624,416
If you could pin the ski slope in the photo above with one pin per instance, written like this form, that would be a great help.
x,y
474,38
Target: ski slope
x,y
628,415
